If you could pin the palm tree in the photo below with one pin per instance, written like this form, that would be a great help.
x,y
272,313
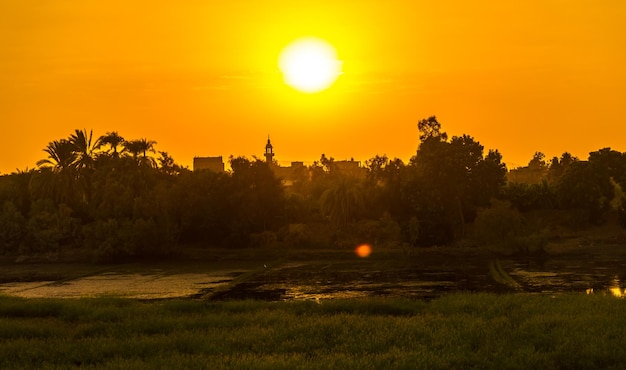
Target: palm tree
x,y
65,174
147,146
83,148
112,139
131,147
61,155
57,178
342,202
141,146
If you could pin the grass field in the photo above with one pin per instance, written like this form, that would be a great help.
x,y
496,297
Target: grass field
x,y
455,331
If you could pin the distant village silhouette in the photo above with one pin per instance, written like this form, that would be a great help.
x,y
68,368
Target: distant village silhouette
x,y
286,173
534,173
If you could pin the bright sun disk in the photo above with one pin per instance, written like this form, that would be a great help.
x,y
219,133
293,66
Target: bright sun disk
x,y
309,65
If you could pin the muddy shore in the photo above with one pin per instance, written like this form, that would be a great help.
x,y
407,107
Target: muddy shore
x,y
422,273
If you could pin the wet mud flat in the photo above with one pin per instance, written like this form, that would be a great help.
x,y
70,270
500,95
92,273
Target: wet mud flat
x,y
316,280
136,281
604,275
316,276
428,276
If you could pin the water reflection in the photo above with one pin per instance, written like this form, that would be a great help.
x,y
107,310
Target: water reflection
x,y
614,289
604,276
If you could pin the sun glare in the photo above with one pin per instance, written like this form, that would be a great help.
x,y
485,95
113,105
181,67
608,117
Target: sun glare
x,y
309,65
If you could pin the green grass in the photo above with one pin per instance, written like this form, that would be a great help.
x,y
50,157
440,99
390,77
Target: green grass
x,y
456,331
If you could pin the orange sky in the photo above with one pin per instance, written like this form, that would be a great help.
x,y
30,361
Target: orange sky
x,y
201,77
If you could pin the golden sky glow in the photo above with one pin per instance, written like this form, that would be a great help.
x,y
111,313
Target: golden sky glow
x,y
201,77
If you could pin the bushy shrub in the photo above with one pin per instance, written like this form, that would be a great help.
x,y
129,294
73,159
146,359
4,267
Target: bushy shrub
x,y
294,234
104,239
412,230
310,235
263,239
384,232
503,228
12,228
497,225
621,214
50,227
115,239
532,244
526,197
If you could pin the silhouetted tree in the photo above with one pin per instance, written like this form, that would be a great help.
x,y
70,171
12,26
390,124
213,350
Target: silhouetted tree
x,y
61,155
113,140
132,147
201,204
328,164
527,197
376,168
343,201
146,146
12,227
431,128
139,151
167,164
57,177
488,179
537,161
15,188
559,166
256,199
612,161
586,186
451,179
83,148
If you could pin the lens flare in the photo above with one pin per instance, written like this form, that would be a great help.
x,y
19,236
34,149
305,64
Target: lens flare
x,y
363,250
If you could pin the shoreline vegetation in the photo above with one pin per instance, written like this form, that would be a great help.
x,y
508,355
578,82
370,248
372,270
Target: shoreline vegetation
x,y
112,200
606,241
513,331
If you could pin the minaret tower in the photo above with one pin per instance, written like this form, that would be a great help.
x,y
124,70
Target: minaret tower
x,y
269,152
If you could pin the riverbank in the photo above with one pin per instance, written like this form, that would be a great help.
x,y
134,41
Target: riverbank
x,y
593,259
286,275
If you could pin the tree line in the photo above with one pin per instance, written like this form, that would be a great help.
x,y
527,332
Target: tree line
x,y
117,199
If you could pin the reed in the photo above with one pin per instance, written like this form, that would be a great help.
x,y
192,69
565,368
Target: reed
x,y
514,331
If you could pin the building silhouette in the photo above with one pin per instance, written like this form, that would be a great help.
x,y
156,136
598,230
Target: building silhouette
x,y
297,171
215,164
350,168
269,152
288,175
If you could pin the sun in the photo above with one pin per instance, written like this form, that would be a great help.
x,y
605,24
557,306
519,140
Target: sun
x,y
309,65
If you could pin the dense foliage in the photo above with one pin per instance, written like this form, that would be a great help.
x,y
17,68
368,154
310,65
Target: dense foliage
x,y
114,199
